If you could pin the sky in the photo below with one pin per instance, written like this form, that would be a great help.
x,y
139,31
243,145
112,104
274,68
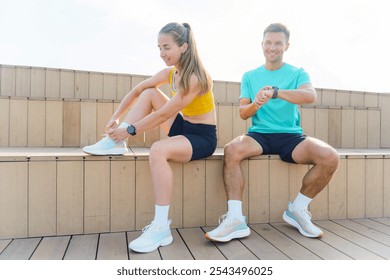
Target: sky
x,y
342,44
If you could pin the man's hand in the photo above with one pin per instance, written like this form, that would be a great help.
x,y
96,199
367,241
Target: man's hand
x,y
263,96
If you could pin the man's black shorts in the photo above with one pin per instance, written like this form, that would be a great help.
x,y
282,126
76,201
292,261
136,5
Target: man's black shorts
x,y
282,144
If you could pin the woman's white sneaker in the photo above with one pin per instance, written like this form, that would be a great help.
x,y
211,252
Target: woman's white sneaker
x,y
152,237
106,146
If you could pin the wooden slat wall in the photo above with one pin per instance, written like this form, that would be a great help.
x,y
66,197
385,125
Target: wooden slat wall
x,y
57,196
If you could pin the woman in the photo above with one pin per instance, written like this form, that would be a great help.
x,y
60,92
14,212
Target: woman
x,y
188,117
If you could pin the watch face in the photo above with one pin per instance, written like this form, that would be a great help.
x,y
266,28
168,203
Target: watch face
x,y
130,129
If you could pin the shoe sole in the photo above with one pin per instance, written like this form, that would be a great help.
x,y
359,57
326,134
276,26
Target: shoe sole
x,y
295,224
111,152
236,234
165,242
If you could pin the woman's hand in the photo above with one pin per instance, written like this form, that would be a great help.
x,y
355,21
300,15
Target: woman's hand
x,y
118,134
112,124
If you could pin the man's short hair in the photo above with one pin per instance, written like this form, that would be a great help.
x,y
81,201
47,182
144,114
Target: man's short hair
x,y
277,27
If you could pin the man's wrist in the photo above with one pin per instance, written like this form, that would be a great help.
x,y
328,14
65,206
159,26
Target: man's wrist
x,y
276,92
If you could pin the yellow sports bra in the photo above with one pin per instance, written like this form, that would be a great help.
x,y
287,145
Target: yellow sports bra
x,y
201,104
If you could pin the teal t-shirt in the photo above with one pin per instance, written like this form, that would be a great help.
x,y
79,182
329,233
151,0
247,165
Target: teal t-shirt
x,y
277,115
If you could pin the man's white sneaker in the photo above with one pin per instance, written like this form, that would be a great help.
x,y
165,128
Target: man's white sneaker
x,y
301,219
106,146
152,237
229,229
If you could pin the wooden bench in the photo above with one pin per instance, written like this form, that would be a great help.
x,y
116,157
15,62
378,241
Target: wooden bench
x,y
49,187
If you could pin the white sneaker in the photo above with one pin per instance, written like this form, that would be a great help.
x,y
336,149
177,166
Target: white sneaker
x,y
229,229
152,237
106,146
301,219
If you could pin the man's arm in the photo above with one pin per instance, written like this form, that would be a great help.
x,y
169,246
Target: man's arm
x,y
305,94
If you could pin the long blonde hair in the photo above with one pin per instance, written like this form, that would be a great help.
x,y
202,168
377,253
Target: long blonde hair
x,y
190,62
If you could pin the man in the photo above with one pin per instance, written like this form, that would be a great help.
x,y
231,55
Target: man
x,y
270,95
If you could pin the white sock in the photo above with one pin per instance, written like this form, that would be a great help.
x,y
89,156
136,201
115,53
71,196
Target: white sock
x,y
234,209
161,215
123,125
301,201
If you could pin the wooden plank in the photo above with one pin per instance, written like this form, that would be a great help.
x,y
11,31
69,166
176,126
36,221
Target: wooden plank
x,y
70,197
112,246
199,246
20,249
342,98
67,83
52,88
97,196
308,120
95,85
4,243
284,243
23,81
356,99
194,193
235,249
239,125
355,237
42,200
261,248
233,92
375,224
373,129
36,121
386,187
348,128
361,128
259,191
367,231
219,90
356,188
122,195
88,123
321,124
384,104
123,86
385,221
316,246
81,84
347,247
374,187
38,82
18,123
4,122
51,248
225,127
328,97
54,124
371,99
103,115
216,204
109,86
155,255
82,247
279,189
8,80
71,123
334,127
177,250
144,202
338,192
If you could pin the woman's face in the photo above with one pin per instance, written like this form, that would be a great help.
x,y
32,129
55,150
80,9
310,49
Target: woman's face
x,y
170,52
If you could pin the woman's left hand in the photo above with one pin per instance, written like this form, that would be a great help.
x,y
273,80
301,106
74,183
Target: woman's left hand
x,y
118,134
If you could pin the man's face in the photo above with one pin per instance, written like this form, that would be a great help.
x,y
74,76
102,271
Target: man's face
x,y
274,45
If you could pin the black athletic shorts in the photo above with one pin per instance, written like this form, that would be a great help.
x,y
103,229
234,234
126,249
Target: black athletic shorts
x,y
203,137
282,144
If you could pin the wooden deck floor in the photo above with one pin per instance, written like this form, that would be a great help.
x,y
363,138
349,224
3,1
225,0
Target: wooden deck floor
x,y
360,239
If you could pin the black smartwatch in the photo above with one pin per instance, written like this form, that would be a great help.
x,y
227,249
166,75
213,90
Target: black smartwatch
x,y
276,92
131,130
